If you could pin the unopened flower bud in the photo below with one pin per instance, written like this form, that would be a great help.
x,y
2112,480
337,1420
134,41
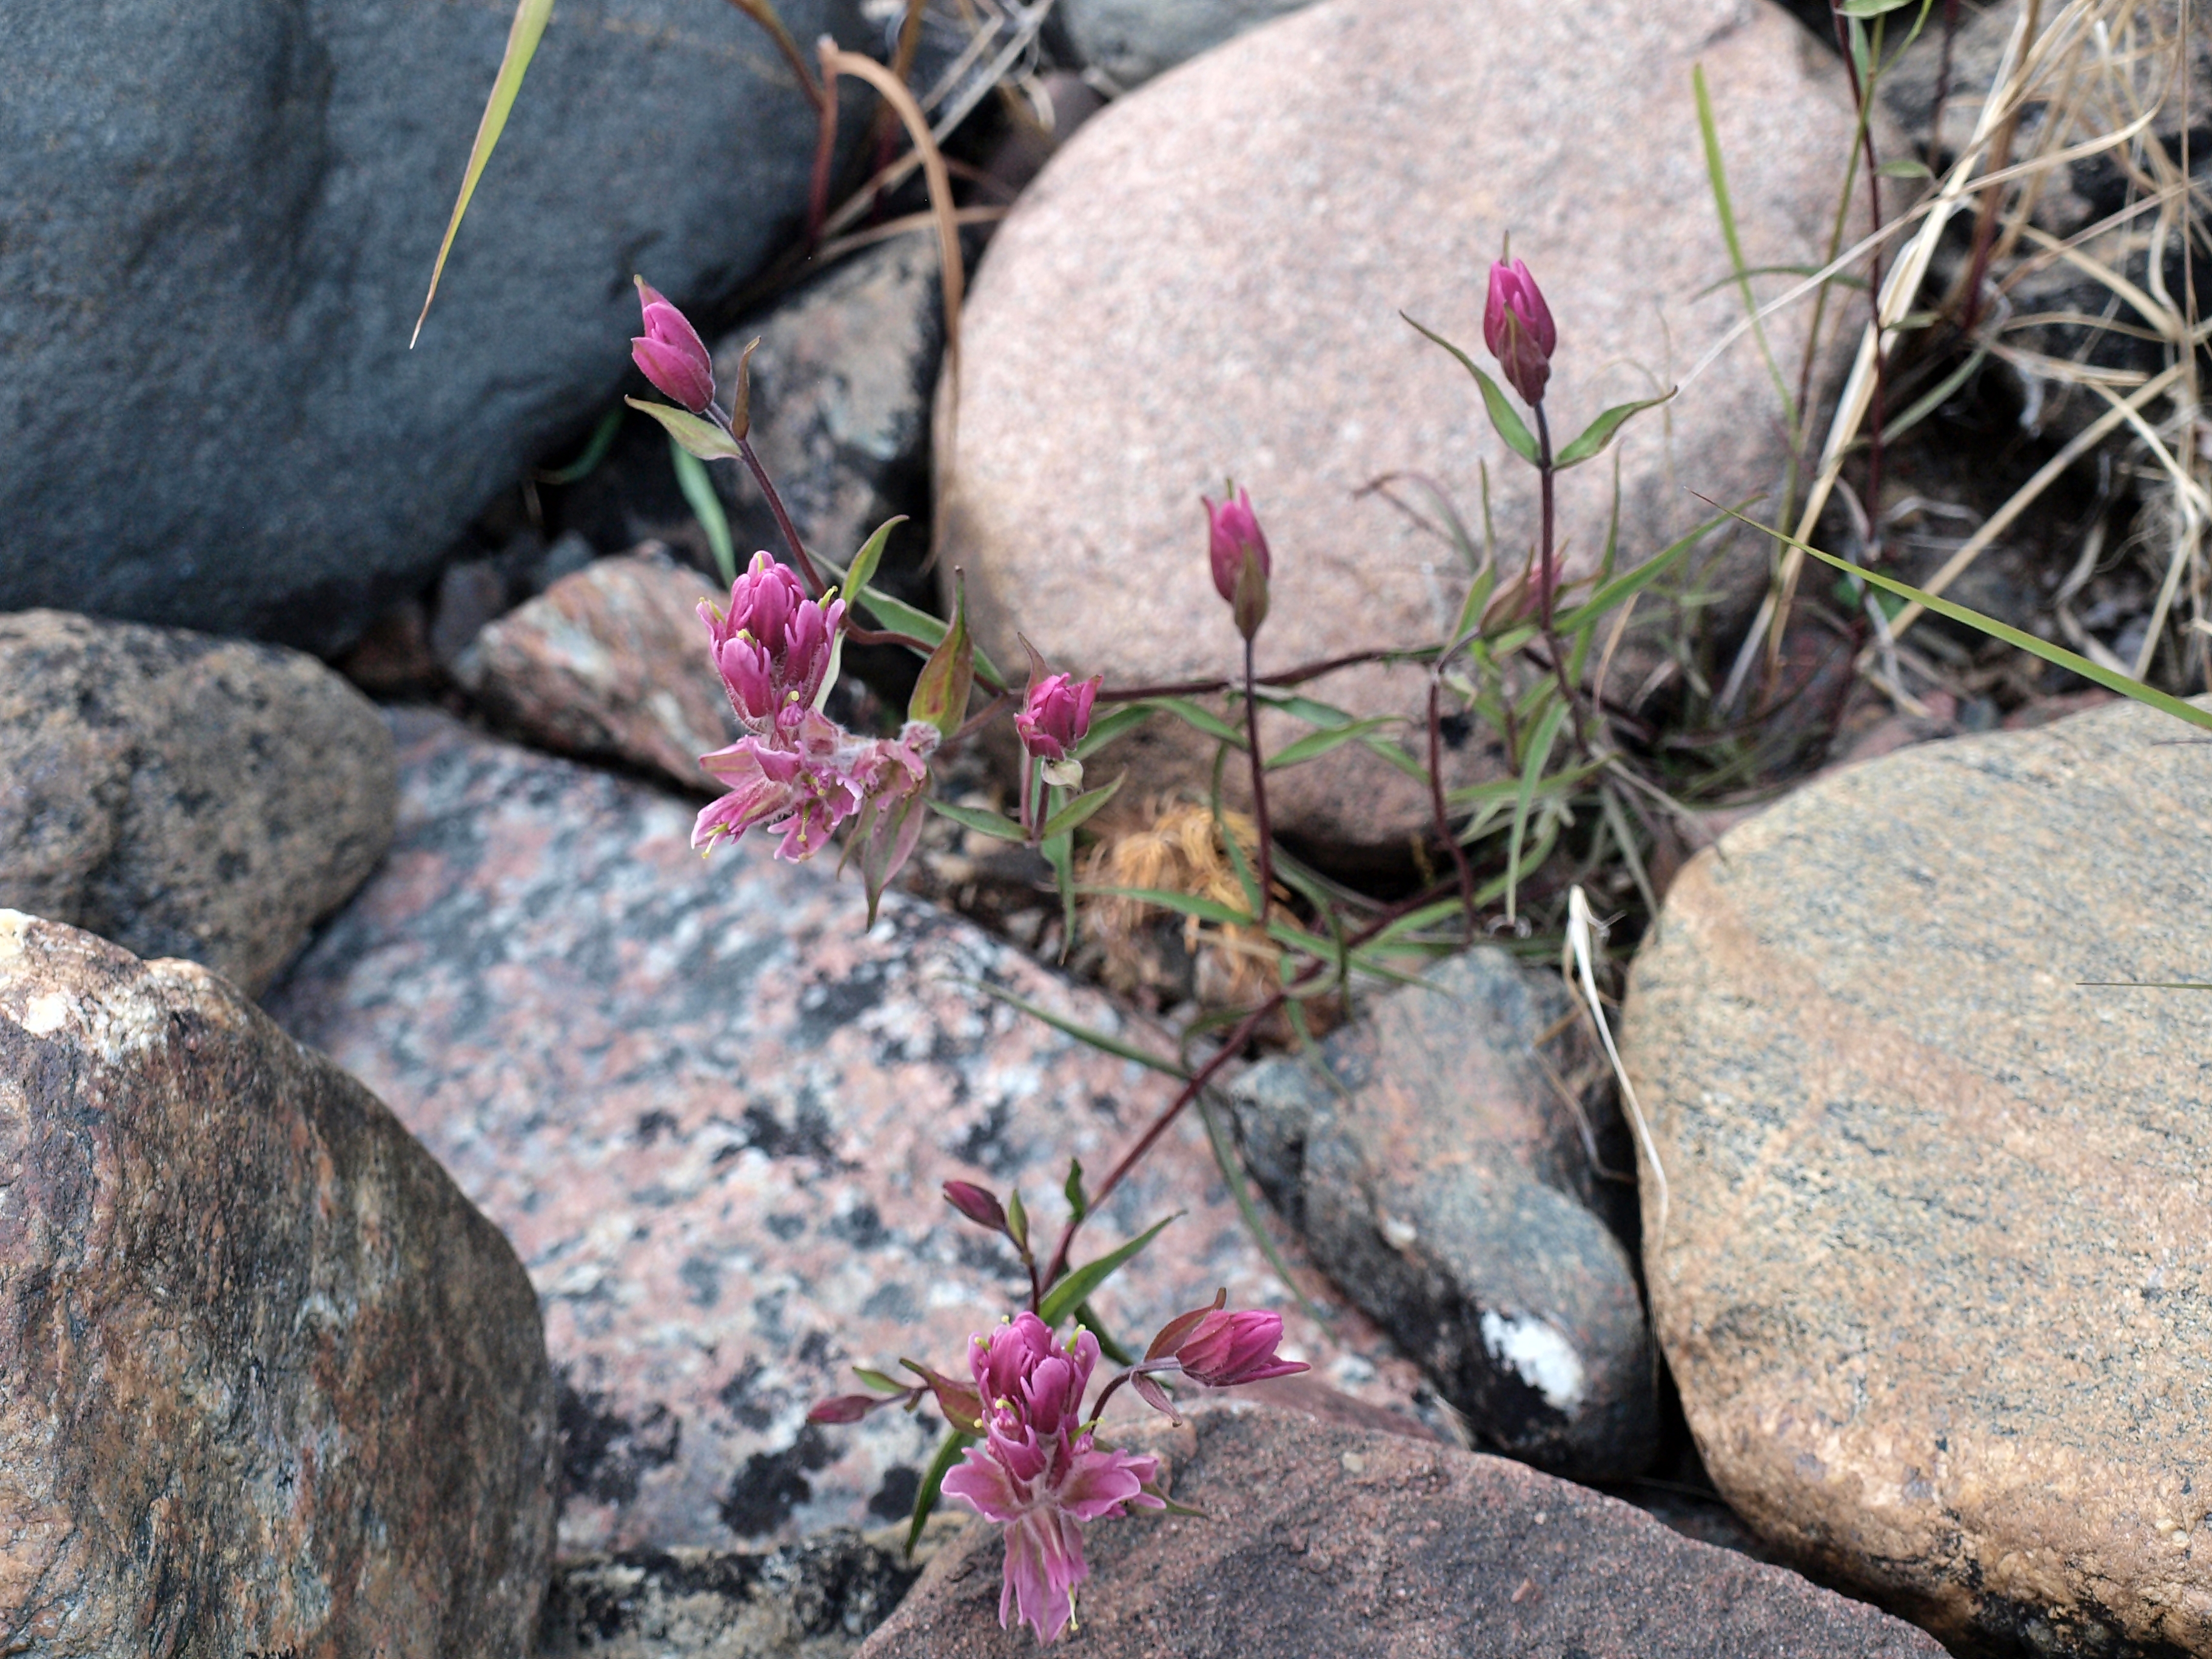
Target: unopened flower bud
x,y
1056,716
977,1203
1226,1349
1241,561
671,354
1516,326
845,1409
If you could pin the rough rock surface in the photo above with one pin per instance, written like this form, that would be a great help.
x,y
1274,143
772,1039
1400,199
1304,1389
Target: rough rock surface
x,y
714,1111
1439,1176
182,796
1130,41
1207,280
221,222
611,662
1323,1539
272,1385
1934,1276
841,384
813,1600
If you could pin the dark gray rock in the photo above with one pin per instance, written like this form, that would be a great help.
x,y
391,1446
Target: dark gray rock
x,y
272,1385
1441,1178
184,796
841,386
221,218
1130,41
817,1599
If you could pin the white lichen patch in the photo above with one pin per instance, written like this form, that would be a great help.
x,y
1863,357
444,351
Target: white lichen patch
x,y
1546,1359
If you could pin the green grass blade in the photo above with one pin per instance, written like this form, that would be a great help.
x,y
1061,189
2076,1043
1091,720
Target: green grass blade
x,y
1080,1032
522,38
1316,744
933,1482
707,507
1539,754
1716,177
979,818
1107,728
1502,415
1076,1287
595,450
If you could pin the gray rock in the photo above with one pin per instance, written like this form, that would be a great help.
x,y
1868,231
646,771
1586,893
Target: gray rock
x,y
1439,1178
183,796
272,1385
220,221
1934,1274
1130,41
841,386
817,1599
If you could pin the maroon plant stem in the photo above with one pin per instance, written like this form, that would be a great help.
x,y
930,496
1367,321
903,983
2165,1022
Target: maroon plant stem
x,y
815,586
1436,802
1548,573
1298,676
1259,763
825,151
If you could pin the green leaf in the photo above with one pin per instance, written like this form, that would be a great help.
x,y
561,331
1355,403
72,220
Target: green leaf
x,y
1080,810
1202,719
522,37
1060,853
979,818
1316,744
1076,1287
1540,753
1508,423
1077,1205
1716,179
1108,726
1185,904
595,450
1873,7
706,506
932,1481
1635,581
940,694
863,570
1599,433
695,433
1311,710
1081,1033
1905,166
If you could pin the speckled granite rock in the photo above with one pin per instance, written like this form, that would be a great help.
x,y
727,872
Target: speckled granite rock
x,y
270,1384
181,795
611,662
1440,1177
814,1600
1323,1540
714,1112
1934,1275
1208,279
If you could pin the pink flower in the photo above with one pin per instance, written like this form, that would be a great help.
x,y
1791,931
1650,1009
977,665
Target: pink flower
x,y
773,646
1516,326
1242,564
1038,1473
671,354
805,776
1226,1349
1056,715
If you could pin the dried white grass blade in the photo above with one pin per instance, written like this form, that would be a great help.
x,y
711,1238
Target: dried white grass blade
x,y
1580,927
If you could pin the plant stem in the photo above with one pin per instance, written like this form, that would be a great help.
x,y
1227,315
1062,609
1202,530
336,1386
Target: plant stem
x,y
1258,787
1860,92
815,585
1298,676
1437,799
825,153
1547,575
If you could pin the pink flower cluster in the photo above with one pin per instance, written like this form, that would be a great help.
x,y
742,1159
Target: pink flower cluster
x,y
795,770
1038,1472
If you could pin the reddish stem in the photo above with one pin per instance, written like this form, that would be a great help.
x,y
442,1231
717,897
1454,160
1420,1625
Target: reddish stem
x,y
1258,787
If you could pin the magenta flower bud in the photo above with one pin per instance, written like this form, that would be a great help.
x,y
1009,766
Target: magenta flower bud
x,y
845,1409
978,1204
671,354
1056,715
1241,561
1226,1349
1516,326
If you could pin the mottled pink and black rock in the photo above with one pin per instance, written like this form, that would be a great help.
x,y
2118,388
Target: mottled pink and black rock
x,y
268,1382
714,1110
1318,1539
1432,1160
181,795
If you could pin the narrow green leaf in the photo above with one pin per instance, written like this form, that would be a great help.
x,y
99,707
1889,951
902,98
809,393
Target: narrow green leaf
x,y
706,506
1081,1033
1311,710
1247,880
1079,811
932,1481
1905,166
1635,581
1087,1316
1079,1206
1716,179
863,570
595,450
1060,853
1315,743
1599,433
1232,1177
940,694
1202,720
522,37
1076,1287
695,433
1108,726
1510,425
979,818
1539,754
1184,904
1873,7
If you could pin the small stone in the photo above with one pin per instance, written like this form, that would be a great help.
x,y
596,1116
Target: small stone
x,y
272,1385
611,663
715,1111
181,795
1934,1269
1432,1551
1206,282
1438,1176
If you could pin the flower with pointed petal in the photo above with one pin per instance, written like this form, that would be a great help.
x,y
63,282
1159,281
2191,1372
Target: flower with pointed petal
x,y
671,354
1517,327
